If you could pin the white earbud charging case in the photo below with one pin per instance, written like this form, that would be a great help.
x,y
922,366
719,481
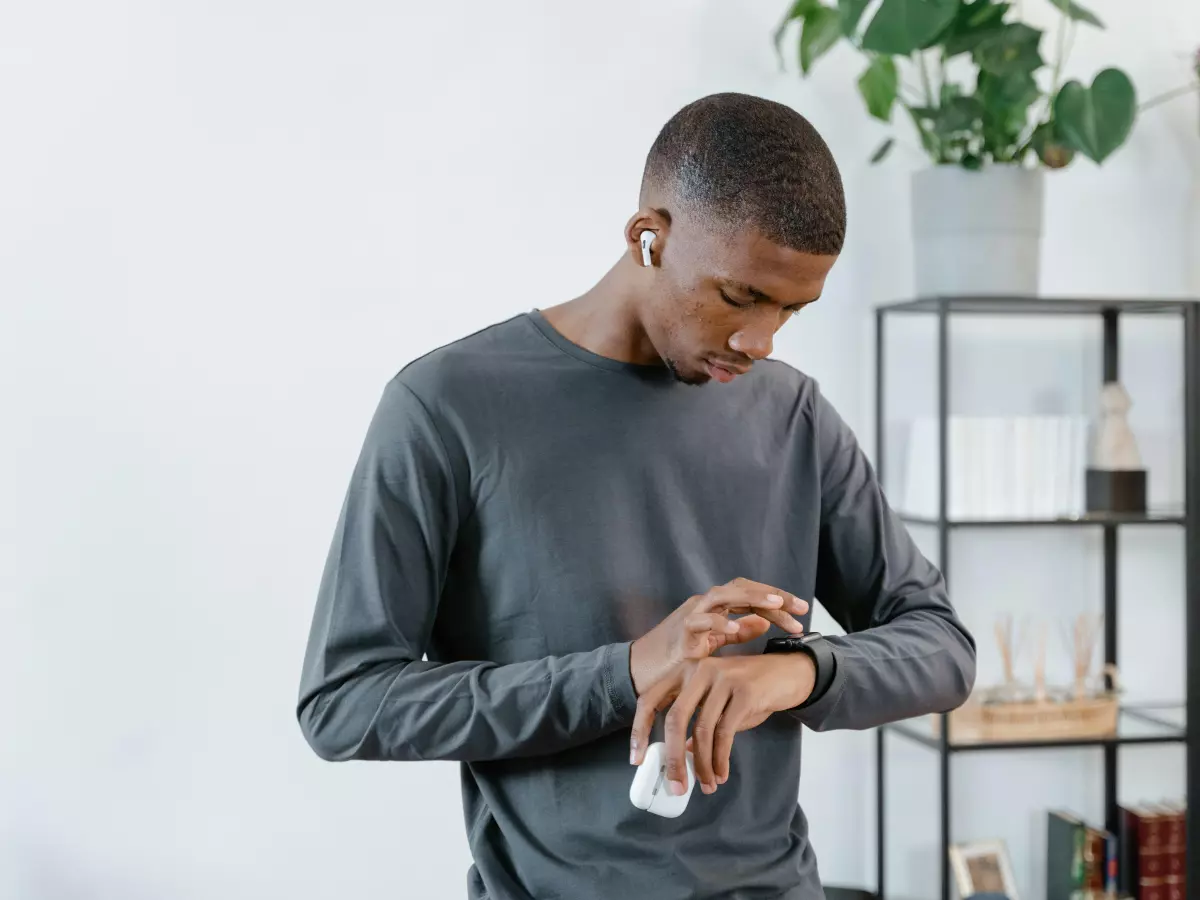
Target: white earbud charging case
x,y
649,790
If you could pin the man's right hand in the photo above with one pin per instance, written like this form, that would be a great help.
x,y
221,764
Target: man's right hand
x,y
702,625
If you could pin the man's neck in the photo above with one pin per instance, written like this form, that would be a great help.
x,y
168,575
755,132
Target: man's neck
x,y
606,320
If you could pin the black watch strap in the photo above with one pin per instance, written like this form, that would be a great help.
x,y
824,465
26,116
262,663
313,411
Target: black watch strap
x,y
815,645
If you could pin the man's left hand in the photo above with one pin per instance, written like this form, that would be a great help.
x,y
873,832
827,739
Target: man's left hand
x,y
727,695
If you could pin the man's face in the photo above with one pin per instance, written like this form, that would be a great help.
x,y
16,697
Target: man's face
x,y
718,299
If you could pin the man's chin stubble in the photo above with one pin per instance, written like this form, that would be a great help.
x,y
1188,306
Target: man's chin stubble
x,y
696,381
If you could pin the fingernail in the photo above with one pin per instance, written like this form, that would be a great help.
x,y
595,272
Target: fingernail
x,y
677,788
721,779
708,788
774,598
633,756
731,627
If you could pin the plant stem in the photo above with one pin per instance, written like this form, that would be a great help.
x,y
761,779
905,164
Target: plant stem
x,y
925,79
1061,47
1063,50
1170,95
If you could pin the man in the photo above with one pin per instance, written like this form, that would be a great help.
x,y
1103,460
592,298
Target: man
x,y
592,514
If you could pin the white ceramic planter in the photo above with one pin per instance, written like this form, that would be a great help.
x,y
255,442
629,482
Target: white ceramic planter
x,y
977,232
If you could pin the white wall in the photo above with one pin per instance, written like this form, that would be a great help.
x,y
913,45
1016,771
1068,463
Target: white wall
x,y
224,226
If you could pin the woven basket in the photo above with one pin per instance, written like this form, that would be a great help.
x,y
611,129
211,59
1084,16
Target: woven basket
x,y
1033,720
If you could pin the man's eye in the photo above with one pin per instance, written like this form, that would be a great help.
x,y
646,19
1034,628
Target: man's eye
x,y
732,302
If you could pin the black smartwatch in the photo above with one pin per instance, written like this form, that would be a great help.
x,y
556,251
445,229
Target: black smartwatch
x,y
822,656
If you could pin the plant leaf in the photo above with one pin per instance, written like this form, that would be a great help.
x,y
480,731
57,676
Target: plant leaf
x,y
982,13
1006,100
1014,48
1077,12
1007,92
901,27
882,150
798,10
1096,120
822,29
972,24
960,114
851,13
878,86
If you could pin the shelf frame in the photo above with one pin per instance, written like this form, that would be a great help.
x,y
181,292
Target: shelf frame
x,y
1191,378
1110,312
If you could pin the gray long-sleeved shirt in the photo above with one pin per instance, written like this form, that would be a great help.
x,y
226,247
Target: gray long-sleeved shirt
x,y
521,511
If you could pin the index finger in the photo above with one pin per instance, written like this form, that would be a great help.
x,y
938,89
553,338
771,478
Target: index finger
x,y
772,607
682,710
750,596
782,619
657,697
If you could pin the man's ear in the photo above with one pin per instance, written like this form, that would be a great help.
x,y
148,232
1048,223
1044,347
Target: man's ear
x,y
646,236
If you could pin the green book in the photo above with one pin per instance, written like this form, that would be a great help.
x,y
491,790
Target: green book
x,y
1064,856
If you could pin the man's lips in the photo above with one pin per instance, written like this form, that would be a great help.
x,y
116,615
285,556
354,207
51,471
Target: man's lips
x,y
725,372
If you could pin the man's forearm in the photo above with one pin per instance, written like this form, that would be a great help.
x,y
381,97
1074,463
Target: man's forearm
x,y
920,662
906,652
470,710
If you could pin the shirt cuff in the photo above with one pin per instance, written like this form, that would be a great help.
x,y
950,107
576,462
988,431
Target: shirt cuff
x,y
618,681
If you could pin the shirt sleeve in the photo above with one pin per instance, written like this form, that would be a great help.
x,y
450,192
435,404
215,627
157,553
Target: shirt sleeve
x,y
906,653
366,692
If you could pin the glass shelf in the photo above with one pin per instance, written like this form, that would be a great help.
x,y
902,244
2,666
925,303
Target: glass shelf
x,y
1055,306
1136,724
1154,517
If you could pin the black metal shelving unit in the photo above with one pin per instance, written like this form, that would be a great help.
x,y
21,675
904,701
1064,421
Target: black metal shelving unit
x,y
1137,725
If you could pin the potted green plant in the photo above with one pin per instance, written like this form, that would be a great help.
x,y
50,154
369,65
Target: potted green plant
x,y
990,113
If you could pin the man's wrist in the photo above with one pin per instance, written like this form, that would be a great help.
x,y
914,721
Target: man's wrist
x,y
643,669
802,677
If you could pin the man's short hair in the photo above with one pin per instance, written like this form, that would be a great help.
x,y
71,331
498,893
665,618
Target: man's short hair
x,y
746,161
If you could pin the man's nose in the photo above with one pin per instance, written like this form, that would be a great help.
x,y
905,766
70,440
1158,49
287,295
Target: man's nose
x,y
755,341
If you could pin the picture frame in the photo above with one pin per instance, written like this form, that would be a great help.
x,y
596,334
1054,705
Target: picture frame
x,y
983,867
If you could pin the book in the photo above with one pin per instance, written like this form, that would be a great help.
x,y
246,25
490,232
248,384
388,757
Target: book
x,y
1153,862
998,467
1081,860
1064,855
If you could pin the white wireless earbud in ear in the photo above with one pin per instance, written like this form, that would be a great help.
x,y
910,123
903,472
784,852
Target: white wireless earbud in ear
x,y
647,242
